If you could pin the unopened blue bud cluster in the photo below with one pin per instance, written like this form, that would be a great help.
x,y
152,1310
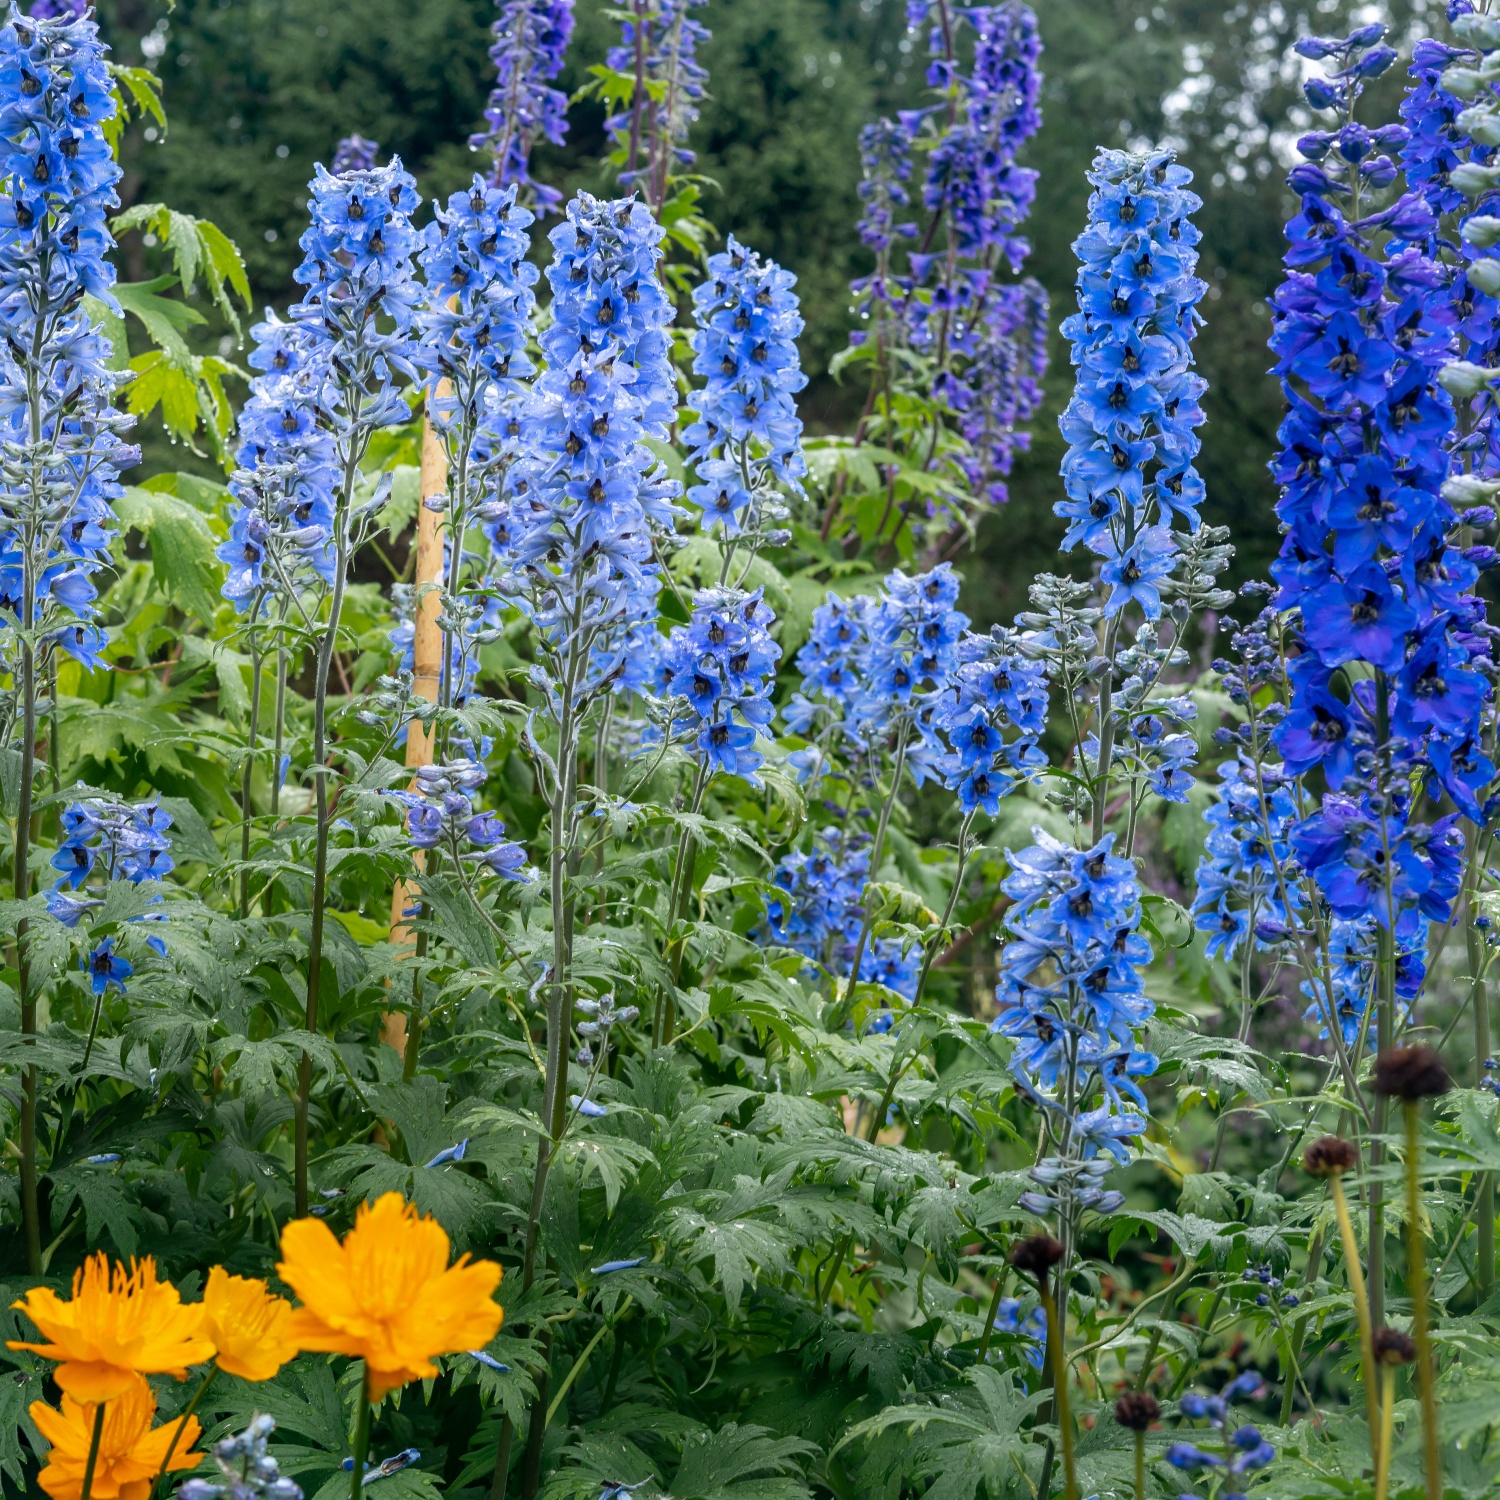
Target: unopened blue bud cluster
x,y
249,1472
748,432
1131,425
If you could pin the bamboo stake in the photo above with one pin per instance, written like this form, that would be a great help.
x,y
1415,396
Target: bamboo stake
x,y
427,664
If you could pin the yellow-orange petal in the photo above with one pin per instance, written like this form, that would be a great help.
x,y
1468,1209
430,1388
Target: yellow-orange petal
x,y
248,1325
130,1450
387,1293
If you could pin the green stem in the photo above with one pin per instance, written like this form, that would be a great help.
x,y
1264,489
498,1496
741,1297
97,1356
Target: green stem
x,y
1140,1466
1384,1022
1387,1430
989,1321
1484,1208
256,666
191,1407
1361,1312
361,1440
877,850
93,1459
1416,1276
1055,1342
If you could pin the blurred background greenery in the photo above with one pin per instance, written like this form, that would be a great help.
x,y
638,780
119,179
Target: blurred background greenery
x,y
258,90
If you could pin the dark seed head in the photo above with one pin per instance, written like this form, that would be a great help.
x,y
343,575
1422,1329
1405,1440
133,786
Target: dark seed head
x,y
1411,1073
1329,1156
1137,1410
1392,1347
1037,1254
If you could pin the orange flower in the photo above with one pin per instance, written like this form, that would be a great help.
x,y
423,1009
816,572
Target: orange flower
x,y
387,1294
130,1450
115,1329
248,1325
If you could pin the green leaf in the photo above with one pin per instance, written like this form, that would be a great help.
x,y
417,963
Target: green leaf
x,y
182,548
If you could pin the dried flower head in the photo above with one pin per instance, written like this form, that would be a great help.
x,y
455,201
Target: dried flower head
x,y
1137,1410
1392,1347
1330,1156
1036,1254
1411,1073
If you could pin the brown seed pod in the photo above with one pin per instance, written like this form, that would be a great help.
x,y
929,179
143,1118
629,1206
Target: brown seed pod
x,y
1410,1073
1137,1410
1392,1347
1330,1156
1037,1254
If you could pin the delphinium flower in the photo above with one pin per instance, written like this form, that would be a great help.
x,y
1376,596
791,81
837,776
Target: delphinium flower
x,y
354,154
357,306
280,533
747,437
575,550
989,334
718,674
440,814
1384,614
831,662
1242,1449
1070,997
574,528
531,39
980,334
106,841
1130,425
658,49
1388,682
471,349
821,915
990,713
249,1472
885,155
64,441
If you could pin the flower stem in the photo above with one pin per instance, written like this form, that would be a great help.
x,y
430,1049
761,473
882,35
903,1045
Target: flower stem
x,y
1484,1208
91,1463
257,663
1361,1314
1140,1466
326,649
1384,1025
1387,1430
989,1322
182,1422
1061,1412
1416,1278
361,1440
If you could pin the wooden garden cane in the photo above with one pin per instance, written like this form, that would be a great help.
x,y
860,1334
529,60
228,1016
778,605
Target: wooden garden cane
x,y
427,669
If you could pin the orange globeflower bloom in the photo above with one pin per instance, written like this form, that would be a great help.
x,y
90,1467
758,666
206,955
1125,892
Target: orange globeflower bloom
x,y
116,1328
130,1450
248,1325
387,1294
